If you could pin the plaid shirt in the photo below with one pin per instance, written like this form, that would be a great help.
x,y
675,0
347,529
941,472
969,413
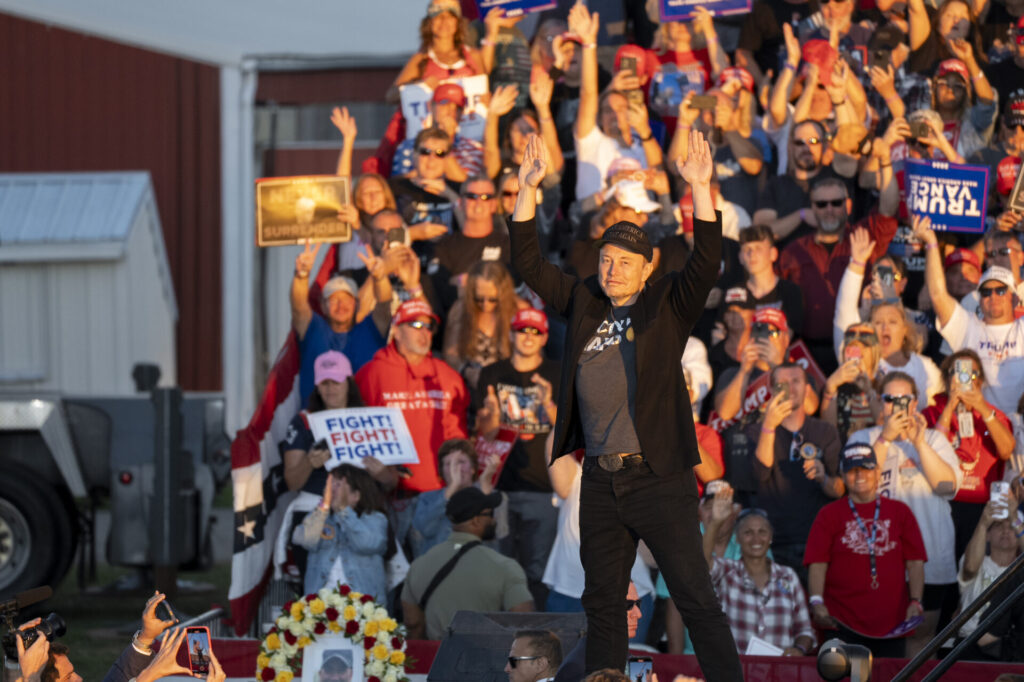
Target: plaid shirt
x,y
778,614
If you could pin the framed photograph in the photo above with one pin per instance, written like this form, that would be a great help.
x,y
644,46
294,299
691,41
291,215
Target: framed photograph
x,y
332,658
295,209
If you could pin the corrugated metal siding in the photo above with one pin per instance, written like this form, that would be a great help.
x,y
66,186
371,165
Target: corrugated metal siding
x,y
71,102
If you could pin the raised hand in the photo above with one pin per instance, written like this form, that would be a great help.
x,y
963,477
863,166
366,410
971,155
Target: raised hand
x,y
922,228
638,119
861,245
698,166
541,87
793,52
374,265
625,80
534,165
883,80
304,261
165,661
779,407
1008,220
721,505
503,100
152,625
349,214
32,660
583,23
216,673
687,113
345,123
702,22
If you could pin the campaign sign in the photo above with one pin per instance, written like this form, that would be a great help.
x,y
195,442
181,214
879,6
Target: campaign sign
x,y
683,10
1016,202
494,451
953,195
416,106
515,8
296,209
358,432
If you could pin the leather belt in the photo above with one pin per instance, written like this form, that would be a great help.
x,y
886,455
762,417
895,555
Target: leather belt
x,y
614,462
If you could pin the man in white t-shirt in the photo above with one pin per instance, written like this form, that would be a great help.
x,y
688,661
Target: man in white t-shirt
x,y
605,124
997,337
918,467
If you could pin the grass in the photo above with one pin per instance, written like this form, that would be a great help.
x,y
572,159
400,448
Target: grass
x,y
101,623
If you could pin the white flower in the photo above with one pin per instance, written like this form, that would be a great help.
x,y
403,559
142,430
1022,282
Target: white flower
x,y
324,594
369,608
391,676
282,622
279,661
297,629
380,613
375,668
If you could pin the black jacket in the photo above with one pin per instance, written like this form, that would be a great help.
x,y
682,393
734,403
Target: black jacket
x,y
128,665
663,316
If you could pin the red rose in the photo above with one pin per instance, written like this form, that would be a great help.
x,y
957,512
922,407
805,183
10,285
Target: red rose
x,y
290,638
268,674
396,643
344,590
320,628
351,627
310,597
372,678
288,607
368,642
366,598
331,613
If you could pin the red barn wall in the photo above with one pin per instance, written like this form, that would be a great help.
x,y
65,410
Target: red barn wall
x,y
72,102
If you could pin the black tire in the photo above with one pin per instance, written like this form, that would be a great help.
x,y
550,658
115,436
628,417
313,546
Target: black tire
x,y
36,536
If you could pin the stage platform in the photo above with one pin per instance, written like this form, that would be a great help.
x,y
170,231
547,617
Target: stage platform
x,y
238,656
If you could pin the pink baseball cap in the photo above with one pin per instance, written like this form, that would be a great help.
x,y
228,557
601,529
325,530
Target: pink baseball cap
x,y
331,365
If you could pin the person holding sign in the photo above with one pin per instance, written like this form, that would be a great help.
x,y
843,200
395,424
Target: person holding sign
x,y
621,359
997,337
347,534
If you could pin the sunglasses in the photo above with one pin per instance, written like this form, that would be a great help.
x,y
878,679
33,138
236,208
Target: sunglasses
x,y
810,141
834,203
530,331
755,511
998,291
897,399
509,193
420,324
480,300
513,661
426,151
864,336
1005,251
632,604
478,197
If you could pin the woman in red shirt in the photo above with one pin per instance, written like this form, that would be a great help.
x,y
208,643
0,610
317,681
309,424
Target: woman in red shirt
x,y
981,436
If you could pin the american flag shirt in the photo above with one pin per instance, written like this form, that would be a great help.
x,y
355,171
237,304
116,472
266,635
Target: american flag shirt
x,y
777,614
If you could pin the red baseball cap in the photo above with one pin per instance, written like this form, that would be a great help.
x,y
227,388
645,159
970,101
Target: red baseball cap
x,y
953,66
1006,174
450,92
530,318
772,316
412,309
736,73
823,55
962,256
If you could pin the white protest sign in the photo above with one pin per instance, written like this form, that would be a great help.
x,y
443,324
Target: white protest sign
x,y
358,432
416,106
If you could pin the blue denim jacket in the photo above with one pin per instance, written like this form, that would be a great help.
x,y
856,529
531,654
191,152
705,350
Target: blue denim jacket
x,y
360,541
430,526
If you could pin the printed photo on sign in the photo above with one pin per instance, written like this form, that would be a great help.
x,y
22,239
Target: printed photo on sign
x,y
522,408
1016,201
332,657
416,99
359,432
296,209
683,10
670,85
953,195
514,8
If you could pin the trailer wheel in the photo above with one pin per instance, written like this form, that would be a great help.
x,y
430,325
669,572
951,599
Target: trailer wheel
x,y
34,533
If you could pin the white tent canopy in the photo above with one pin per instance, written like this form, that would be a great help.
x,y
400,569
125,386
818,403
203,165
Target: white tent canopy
x,y
226,32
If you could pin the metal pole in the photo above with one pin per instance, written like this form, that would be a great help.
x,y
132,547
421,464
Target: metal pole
x,y
955,625
166,512
946,663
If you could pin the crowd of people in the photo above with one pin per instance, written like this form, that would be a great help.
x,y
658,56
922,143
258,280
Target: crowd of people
x,y
855,377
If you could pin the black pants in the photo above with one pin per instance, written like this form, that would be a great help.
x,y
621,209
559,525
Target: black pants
x,y
618,509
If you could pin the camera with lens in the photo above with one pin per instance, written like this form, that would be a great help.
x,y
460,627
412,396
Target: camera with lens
x,y
51,627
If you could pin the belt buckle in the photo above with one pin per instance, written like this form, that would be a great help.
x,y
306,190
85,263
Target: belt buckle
x,y
611,463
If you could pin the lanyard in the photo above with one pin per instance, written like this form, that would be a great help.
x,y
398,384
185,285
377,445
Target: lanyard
x,y
871,540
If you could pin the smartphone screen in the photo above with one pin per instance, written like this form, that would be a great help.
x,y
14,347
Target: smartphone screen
x,y
628,64
197,639
704,102
640,668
